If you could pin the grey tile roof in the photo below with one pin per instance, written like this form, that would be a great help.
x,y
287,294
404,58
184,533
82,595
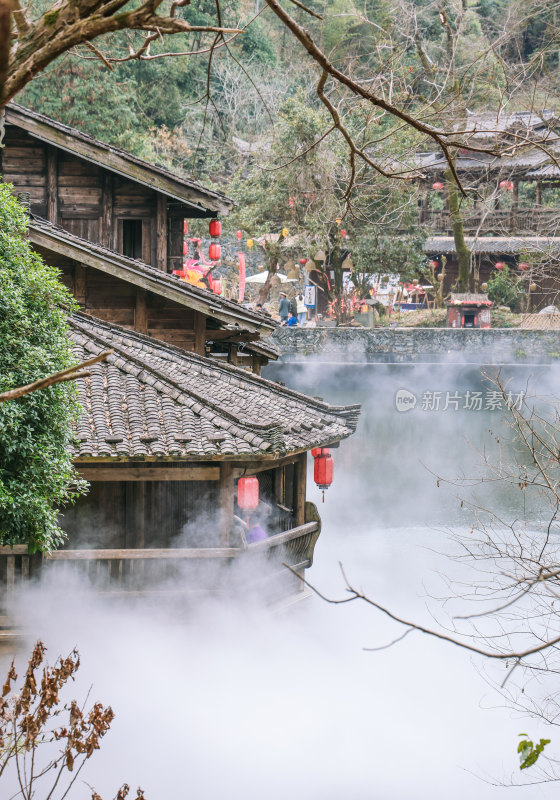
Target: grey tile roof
x,y
498,245
151,400
44,234
116,160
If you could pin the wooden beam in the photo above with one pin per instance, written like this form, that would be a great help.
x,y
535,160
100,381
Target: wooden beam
x,y
80,283
199,333
141,312
107,236
141,553
232,357
300,488
149,473
279,484
161,232
226,503
52,185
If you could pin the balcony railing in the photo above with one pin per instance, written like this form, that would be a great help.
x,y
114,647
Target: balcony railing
x,y
505,222
125,571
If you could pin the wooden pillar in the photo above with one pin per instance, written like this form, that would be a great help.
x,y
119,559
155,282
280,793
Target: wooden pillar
x,y
80,284
161,232
232,358
226,502
514,206
279,492
199,333
52,185
300,488
256,364
141,312
107,228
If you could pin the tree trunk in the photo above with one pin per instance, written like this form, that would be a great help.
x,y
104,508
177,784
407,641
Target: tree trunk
x,y
463,252
5,34
272,269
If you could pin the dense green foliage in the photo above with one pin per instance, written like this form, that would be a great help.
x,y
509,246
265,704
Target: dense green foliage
x,y
504,289
36,473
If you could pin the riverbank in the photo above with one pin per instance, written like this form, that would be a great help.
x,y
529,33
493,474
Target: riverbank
x,y
419,345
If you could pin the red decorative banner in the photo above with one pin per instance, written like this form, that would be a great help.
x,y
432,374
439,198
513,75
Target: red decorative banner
x,y
241,257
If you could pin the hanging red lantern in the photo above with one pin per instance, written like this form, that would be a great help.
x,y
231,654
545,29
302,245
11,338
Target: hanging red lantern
x,y
523,265
185,227
185,248
291,202
343,233
214,252
248,493
437,186
303,261
433,264
507,186
499,265
317,451
239,235
215,227
324,471
217,286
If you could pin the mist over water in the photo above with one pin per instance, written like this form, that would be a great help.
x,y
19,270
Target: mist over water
x,y
227,700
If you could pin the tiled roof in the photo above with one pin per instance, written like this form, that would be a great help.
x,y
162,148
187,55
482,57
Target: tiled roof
x,y
469,298
45,234
499,245
116,160
151,400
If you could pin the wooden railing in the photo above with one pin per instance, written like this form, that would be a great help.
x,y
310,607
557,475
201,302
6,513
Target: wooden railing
x,y
522,221
133,569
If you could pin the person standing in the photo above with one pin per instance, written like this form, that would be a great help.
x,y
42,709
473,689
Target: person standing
x,y
301,310
284,307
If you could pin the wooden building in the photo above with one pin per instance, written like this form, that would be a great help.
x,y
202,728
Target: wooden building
x,y
99,192
178,414
113,224
163,441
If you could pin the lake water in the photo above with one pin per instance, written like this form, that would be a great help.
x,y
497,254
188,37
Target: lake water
x,y
233,702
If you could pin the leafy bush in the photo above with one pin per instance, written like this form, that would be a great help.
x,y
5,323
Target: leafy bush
x,y
504,289
36,472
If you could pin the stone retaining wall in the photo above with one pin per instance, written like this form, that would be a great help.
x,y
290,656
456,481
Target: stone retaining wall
x,y
494,346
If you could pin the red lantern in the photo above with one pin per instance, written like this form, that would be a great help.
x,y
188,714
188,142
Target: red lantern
x,y
185,248
239,235
185,227
523,265
437,186
499,265
507,186
291,202
217,286
433,264
215,227
248,493
317,451
343,233
214,252
303,261
324,471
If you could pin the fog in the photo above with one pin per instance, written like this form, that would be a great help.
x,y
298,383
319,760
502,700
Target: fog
x,y
230,700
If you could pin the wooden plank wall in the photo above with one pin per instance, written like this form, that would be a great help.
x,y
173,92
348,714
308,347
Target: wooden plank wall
x,y
24,163
144,514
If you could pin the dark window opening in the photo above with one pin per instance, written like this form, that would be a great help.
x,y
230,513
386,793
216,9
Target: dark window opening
x,y
470,320
132,238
